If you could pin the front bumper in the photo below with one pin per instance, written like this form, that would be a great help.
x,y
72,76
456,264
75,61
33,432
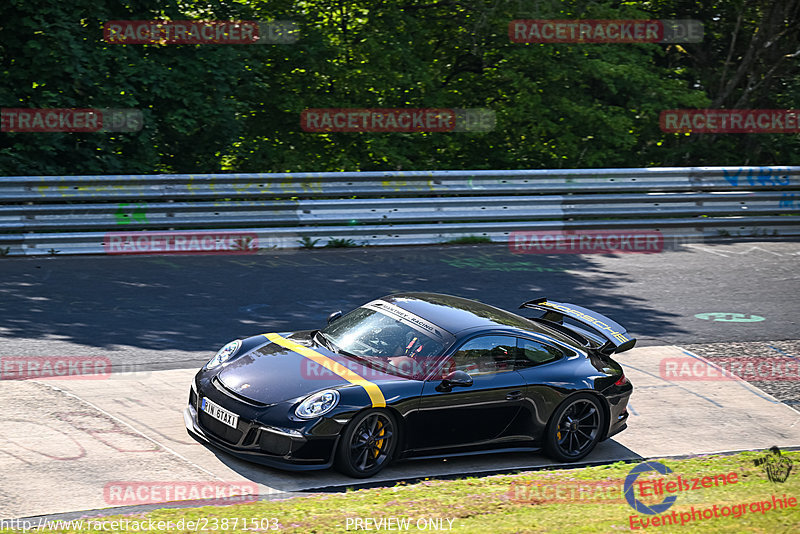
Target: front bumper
x,y
260,443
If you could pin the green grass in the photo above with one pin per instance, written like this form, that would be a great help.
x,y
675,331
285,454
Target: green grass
x,y
484,505
469,240
307,242
340,243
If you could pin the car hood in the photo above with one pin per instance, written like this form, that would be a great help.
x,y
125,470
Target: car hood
x,y
271,373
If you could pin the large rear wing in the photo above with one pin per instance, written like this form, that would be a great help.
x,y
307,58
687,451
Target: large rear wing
x,y
615,337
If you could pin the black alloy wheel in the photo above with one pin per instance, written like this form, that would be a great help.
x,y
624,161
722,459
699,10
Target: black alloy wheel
x,y
575,428
367,444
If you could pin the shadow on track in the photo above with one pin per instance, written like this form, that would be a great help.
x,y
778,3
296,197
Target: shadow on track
x,y
197,303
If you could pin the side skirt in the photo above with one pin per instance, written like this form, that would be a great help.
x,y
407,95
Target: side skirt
x,y
473,453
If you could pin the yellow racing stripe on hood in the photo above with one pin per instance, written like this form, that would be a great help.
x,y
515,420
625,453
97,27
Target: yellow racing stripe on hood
x,y
374,392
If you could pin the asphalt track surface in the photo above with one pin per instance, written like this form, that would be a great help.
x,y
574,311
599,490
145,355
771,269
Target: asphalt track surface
x,y
163,317
167,312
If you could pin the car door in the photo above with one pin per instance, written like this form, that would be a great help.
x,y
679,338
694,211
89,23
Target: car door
x,y
542,367
477,414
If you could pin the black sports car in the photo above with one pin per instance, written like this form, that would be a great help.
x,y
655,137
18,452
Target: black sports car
x,y
416,375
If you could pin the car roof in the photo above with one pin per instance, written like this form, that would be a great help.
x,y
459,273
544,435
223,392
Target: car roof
x,y
456,314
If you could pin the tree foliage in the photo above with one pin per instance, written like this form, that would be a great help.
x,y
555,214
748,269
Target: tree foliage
x,y
236,108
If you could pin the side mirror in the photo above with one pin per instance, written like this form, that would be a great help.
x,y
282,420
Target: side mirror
x,y
456,379
335,315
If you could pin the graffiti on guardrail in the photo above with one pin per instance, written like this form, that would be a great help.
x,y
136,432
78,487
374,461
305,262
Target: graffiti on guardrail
x,y
788,201
311,205
125,215
762,176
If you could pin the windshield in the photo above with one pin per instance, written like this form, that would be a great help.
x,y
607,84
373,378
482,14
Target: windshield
x,y
397,347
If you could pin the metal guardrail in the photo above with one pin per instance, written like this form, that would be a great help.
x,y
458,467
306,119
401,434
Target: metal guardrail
x,y
75,214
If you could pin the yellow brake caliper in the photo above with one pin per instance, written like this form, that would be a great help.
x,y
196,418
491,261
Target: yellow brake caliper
x,y
379,443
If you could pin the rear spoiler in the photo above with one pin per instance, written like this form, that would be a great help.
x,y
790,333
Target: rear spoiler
x,y
615,336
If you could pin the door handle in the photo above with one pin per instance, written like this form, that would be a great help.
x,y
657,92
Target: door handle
x,y
514,395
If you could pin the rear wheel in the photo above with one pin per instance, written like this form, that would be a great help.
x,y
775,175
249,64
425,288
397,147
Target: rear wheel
x,y
367,444
574,428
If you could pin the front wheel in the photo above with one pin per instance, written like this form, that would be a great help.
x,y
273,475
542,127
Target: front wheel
x,y
574,428
367,444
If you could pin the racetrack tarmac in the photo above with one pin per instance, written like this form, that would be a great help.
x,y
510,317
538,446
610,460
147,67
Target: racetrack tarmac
x,y
128,429
170,312
65,440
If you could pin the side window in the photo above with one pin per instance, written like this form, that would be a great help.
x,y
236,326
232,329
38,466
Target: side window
x,y
485,355
535,353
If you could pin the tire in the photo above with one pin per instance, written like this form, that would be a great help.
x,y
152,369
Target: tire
x,y
574,428
367,444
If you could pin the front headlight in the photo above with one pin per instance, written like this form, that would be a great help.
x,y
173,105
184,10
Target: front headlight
x,y
224,354
318,404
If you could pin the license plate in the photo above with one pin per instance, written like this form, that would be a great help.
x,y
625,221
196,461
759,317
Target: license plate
x,y
219,413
